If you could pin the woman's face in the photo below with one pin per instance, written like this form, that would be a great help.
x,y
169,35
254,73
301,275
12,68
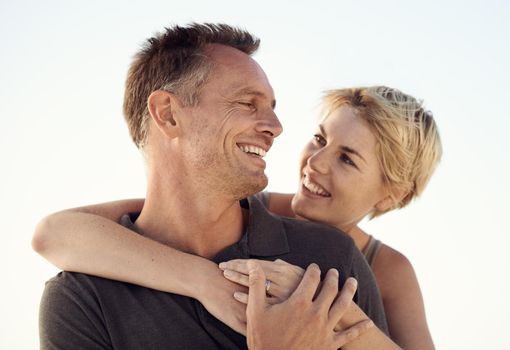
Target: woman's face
x,y
340,178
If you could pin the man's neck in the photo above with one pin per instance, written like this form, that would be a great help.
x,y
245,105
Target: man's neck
x,y
201,224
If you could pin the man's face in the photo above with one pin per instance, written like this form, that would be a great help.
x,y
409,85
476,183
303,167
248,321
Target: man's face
x,y
232,127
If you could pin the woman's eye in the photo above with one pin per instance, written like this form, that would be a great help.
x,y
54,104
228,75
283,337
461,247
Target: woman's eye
x,y
347,160
319,139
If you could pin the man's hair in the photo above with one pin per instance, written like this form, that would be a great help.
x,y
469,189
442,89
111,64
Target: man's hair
x,y
408,146
175,61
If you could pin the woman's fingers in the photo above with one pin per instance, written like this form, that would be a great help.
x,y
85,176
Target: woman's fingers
x,y
239,265
274,290
237,277
243,298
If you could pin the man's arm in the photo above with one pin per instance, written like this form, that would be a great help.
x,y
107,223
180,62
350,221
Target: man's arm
x,y
67,320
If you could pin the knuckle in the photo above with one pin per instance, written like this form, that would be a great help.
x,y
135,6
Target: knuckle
x,y
298,301
316,314
253,266
298,271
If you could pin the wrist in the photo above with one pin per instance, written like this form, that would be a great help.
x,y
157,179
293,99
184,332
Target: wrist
x,y
204,276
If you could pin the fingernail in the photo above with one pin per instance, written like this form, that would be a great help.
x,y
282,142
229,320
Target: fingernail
x,y
237,295
222,265
227,273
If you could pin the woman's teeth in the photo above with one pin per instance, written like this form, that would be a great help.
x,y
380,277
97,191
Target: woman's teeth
x,y
314,188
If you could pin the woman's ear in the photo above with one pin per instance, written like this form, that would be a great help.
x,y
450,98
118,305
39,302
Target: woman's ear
x,y
392,199
163,106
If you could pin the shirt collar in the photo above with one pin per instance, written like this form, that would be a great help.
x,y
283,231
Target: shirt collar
x,y
265,231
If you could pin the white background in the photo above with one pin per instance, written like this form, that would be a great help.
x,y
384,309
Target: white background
x,y
63,141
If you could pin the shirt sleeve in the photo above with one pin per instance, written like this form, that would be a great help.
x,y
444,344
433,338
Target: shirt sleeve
x,y
367,296
68,320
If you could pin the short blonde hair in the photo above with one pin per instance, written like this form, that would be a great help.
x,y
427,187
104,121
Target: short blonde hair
x,y
408,145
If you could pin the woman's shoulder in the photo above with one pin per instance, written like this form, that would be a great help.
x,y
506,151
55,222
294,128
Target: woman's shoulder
x,y
394,273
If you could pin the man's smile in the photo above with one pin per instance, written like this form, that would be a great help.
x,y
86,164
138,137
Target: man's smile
x,y
253,150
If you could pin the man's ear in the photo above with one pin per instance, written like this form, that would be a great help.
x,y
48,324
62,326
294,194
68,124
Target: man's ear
x,y
163,106
391,200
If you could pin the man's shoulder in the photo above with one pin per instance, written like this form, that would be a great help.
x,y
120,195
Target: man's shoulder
x,y
83,286
316,232
73,279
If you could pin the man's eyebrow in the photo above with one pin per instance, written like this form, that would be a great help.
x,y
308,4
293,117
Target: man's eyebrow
x,y
344,148
252,92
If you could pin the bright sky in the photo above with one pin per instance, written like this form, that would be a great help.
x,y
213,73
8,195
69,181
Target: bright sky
x,y
64,142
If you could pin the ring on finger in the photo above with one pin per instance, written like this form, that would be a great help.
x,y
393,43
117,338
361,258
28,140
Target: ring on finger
x,y
268,285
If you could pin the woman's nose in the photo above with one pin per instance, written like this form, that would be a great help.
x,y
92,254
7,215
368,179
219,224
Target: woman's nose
x,y
319,161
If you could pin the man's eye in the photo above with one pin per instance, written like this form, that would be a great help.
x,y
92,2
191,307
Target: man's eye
x,y
246,104
347,160
319,139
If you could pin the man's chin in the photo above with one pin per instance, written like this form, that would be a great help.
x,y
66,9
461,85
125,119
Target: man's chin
x,y
252,185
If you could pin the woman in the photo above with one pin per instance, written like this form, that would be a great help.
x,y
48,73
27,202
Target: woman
x,y
374,151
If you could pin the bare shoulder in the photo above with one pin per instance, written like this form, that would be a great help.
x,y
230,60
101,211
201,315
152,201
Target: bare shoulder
x,y
402,298
280,204
394,273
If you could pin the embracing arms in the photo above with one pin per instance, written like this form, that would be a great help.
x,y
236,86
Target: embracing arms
x,y
88,240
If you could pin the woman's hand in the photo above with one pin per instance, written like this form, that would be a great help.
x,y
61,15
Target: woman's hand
x,y
215,293
284,277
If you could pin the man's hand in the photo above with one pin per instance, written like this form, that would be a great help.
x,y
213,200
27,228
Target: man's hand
x,y
302,321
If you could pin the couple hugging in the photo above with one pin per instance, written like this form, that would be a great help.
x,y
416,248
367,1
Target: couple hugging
x,y
207,260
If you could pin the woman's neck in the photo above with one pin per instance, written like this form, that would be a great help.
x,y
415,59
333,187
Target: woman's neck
x,y
359,236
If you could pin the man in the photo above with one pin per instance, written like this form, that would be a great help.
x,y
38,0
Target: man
x,y
202,112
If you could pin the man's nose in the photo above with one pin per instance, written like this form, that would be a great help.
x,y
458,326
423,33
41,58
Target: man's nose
x,y
318,161
270,124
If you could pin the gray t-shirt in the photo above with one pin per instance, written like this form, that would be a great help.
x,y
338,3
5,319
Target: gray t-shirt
x,y
80,311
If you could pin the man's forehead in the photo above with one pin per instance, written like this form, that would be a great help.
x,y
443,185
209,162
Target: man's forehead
x,y
223,53
243,73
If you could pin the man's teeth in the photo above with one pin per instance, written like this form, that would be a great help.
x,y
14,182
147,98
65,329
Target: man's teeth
x,y
314,188
253,150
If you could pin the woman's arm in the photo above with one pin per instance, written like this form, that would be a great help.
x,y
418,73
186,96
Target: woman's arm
x,y
403,301
284,279
280,204
87,240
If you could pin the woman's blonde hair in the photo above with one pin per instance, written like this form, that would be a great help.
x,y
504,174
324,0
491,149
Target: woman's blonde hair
x,y
407,139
